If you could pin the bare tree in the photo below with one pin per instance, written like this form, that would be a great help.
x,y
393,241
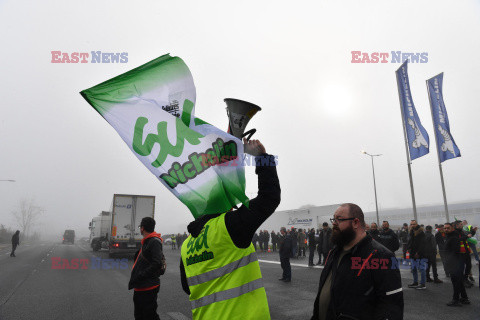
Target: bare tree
x,y
5,234
27,214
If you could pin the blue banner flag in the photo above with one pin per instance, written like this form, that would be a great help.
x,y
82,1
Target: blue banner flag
x,y
418,141
446,147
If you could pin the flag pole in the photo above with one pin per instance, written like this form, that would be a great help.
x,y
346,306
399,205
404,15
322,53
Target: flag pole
x,y
447,216
407,151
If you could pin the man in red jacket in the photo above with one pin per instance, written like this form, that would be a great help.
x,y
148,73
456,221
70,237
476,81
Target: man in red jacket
x,y
145,277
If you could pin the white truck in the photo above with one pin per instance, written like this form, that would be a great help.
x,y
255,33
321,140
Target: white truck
x,y
100,227
127,213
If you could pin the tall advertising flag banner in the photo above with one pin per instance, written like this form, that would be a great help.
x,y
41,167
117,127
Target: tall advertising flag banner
x,y
418,141
152,109
446,146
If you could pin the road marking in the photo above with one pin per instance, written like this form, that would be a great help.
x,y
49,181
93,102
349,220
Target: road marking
x,y
177,316
43,260
292,264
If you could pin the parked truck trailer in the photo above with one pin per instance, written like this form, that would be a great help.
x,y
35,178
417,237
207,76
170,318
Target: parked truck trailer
x,y
127,213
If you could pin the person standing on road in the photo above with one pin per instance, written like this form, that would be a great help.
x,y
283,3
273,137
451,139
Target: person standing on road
x,y
349,289
174,242
403,235
294,235
148,267
311,246
440,238
388,238
325,242
260,240
472,243
431,252
219,268
455,263
273,236
285,250
179,240
465,253
266,240
416,247
470,232
301,242
15,242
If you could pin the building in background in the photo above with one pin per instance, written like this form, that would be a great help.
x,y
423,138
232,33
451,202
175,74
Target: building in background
x,y
304,218
314,216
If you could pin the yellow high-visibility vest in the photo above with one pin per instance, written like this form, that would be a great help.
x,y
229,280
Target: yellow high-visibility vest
x,y
225,281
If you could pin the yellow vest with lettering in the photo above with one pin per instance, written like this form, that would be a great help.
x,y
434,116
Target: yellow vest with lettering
x,y
225,281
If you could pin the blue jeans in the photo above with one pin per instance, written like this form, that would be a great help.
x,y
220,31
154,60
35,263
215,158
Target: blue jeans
x,y
419,265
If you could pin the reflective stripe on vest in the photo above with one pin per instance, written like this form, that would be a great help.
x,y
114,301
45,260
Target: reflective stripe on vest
x,y
223,279
227,294
217,273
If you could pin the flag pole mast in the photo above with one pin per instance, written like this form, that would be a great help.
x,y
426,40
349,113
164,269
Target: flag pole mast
x,y
407,151
447,216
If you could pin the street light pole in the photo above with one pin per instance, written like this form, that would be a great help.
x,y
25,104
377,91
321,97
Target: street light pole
x,y
8,180
374,183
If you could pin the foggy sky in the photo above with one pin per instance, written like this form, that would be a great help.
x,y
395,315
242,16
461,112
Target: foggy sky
x,y
284,56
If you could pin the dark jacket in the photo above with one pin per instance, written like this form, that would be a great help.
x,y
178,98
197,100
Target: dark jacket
x,y
301,239
452,252
16,238
325,240
416,243
311,239
440,239
266,237
430,245
242,223
294,236
403,235
374,233
285,245
362,293
273,236
146,270
389,239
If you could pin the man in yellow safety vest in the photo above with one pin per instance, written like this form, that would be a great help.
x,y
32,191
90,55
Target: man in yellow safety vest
x,y
219,267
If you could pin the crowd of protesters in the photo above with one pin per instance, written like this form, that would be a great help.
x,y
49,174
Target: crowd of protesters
x,y
416,246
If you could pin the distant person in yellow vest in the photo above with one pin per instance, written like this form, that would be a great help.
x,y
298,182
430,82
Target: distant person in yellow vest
x,y
219,267
174,242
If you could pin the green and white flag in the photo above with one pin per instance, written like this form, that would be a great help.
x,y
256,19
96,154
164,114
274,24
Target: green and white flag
x,y
152,109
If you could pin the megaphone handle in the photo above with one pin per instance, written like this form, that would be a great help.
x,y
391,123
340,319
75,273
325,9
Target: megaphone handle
x,y
249,133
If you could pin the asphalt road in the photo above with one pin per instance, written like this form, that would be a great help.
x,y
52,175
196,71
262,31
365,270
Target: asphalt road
x,y
31,289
